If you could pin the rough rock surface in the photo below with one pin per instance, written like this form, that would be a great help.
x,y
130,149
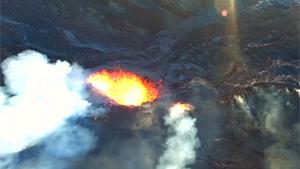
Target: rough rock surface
x,y
244,79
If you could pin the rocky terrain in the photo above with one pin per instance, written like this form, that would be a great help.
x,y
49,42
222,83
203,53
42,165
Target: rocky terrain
x,y
241,71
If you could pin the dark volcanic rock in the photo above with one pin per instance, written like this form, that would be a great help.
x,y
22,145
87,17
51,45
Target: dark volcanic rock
x,y
241,73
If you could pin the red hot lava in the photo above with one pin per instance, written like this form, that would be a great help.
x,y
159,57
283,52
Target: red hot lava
x,y
124,87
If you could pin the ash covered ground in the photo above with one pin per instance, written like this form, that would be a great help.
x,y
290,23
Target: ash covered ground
x,y
240,72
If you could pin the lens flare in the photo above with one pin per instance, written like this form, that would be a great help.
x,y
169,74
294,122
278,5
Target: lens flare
x,y
124,87
224,13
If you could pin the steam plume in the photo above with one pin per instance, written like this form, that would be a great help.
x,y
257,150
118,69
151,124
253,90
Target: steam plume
x,y
37,99
182,142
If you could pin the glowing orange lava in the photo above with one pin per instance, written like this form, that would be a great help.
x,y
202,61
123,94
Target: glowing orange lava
x,y
179,109
124,87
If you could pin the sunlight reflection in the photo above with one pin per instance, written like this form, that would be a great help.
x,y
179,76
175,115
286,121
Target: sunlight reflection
x,y
227,8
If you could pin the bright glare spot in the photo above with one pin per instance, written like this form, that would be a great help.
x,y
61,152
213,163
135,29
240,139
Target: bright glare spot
x,y
224,13
298,91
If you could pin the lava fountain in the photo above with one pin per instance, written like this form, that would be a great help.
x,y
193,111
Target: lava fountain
x,y
124,87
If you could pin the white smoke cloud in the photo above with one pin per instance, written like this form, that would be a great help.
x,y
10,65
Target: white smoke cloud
x,y
243,105
37,99
2,96
182,143
275,116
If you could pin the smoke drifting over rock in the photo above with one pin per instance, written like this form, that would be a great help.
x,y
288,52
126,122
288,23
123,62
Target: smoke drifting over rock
x,y
240,71
39,100
182,143
36,102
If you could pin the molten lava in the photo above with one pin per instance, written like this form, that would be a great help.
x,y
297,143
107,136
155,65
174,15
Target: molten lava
x,y
124,87
179,109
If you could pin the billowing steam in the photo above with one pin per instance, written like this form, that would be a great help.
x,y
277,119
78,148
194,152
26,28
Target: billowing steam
x,y
37,105
182,142
36,102
277,116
